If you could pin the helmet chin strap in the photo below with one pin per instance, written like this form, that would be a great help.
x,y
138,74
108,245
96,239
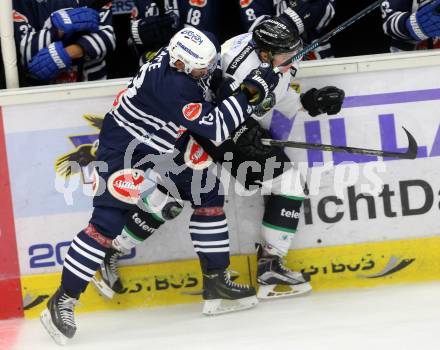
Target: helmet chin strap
x,y
269,57
181,67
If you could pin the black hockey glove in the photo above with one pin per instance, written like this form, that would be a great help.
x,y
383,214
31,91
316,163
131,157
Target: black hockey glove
x,y
248,137
225,88
154,31
307,14
328,100
259,83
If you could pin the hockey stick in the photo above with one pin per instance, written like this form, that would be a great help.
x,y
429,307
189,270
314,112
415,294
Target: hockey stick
x,y
330,34
411,153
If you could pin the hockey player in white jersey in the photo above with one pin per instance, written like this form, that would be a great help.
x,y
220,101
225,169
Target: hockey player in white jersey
x,y
311,18
272,41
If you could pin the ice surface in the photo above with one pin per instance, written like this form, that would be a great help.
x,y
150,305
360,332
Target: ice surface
x,y
391,317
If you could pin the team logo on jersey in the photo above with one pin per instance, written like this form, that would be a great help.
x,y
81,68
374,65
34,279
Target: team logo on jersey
x,y
245,3
18,17
134,13
181,131
117,100
95,182
195,156
125,185
192,111
198,3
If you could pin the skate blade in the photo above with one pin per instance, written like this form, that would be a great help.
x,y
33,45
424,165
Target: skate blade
x,y
270,292
103,288
57,336
223,306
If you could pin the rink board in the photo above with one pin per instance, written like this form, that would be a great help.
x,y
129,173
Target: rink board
x,y
40,135
351,266
348,232
11,300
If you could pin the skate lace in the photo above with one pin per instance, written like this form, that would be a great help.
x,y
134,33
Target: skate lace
x,y
283,267
296,275
231,283
65,306
113,262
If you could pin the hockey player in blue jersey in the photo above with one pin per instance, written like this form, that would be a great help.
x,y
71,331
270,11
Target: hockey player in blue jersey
x,y
412,24
154,22
146,125
311,17
62,40
273,41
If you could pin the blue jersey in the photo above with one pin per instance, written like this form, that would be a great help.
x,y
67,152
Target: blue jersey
x,y
395,14
34,31
310,25
160,104
159,20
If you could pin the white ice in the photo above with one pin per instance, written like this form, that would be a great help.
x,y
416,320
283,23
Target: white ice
x,y
392,317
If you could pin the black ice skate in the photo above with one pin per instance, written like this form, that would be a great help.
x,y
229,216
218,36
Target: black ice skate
x,y
221,295
276,280
58,317
109,283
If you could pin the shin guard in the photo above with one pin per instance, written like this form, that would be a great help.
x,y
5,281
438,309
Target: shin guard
x,y
281,216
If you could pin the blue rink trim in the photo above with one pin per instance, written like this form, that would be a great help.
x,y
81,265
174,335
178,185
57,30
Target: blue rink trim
x,y
391,98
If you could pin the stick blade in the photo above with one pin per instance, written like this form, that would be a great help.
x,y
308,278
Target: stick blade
x,y
413,147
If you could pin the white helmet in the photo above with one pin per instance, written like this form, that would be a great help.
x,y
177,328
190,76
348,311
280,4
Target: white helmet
x,y
194,49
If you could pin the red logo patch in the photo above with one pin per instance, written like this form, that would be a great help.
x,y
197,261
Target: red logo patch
x,y
134,13
125,185
192,111
118,97
245,3
195,156
423,45
198,3
18,17
95,179
181,131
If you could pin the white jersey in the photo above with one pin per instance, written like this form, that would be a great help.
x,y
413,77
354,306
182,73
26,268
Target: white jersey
x,y
239,58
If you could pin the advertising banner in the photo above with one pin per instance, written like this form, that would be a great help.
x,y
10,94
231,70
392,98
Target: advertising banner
x,y
120,7
356,198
